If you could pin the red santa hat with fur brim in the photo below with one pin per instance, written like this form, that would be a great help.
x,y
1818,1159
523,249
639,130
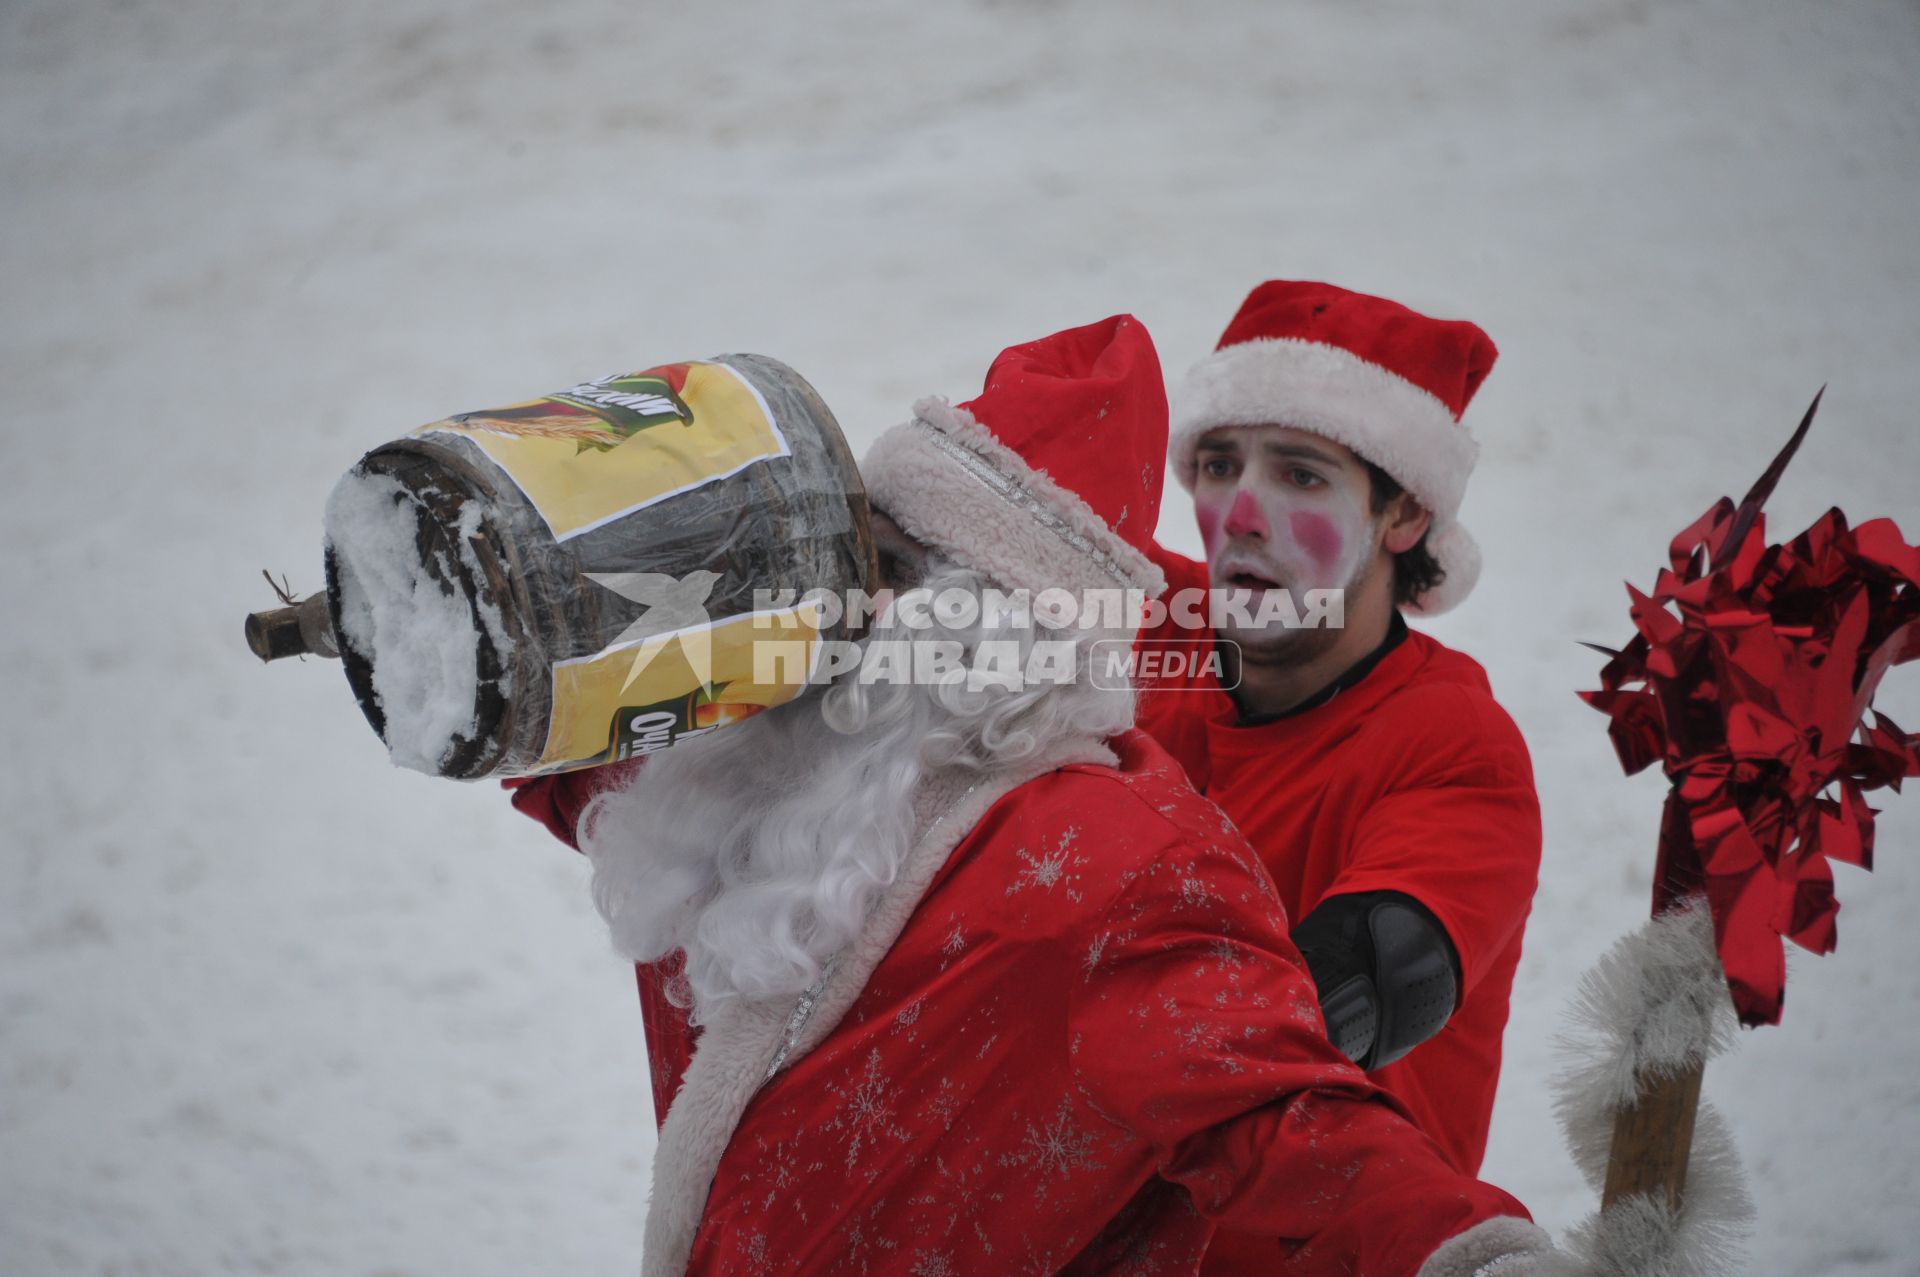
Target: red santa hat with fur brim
x,y
1368,373
1051,477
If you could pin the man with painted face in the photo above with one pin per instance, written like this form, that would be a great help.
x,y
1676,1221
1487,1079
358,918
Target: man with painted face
x,y
1385,789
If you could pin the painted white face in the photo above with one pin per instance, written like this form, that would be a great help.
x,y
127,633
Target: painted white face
x,y
1280,507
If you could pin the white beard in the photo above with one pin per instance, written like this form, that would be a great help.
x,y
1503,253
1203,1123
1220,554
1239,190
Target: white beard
x,y
760,849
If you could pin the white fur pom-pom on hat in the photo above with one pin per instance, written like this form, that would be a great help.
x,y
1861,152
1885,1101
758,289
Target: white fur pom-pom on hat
x,y
1454,548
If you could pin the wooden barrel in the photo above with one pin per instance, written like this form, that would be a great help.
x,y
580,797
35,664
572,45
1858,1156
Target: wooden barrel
x,y
586,576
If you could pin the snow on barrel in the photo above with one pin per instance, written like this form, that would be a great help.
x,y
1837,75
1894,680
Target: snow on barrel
x,y
598,573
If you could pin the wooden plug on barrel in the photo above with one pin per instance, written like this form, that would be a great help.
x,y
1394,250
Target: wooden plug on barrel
x,y
302,628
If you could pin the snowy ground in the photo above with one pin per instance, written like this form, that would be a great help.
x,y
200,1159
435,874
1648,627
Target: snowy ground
x,y
268,1005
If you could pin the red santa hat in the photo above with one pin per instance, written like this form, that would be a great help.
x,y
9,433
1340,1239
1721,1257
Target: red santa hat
x,y
1051,477
1365,372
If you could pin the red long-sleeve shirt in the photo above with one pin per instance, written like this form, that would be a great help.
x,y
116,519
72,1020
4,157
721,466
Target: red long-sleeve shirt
x,y
1412,780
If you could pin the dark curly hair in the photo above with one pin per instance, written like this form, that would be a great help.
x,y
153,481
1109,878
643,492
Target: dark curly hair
x,y
1415,571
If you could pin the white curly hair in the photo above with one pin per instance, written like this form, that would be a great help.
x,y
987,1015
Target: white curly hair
x,y
759,850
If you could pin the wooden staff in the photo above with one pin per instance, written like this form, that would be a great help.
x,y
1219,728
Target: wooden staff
x,y
1652,1138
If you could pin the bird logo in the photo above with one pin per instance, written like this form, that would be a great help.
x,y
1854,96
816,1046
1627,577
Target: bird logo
x,y
676,611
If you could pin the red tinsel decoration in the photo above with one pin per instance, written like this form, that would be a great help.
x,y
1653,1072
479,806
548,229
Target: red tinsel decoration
x,y
1751,681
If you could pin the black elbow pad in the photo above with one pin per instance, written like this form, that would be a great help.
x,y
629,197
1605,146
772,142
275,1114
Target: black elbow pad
x,y
1387,974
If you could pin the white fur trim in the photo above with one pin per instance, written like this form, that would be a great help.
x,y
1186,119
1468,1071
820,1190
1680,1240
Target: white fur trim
x,y
1458,555
1642,1236
731,1060
1032,534
1656,1003
1312,386
1504,1246
729,1063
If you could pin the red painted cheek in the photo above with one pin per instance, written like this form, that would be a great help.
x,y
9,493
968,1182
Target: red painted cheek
x,y
1317,535
1208,517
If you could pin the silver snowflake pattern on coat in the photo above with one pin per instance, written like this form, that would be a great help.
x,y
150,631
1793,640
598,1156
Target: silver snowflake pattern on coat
x,y
865,1241
932,1263
1228,955
945,1104
1194,891
1208,1046
1056,1148
1095,952
759,1262
866,1112
780,1170
1051,868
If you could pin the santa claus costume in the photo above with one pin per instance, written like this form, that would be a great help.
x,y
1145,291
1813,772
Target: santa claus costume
x,y
969,980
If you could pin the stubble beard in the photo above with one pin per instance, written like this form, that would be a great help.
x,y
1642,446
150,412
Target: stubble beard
x,y
1278,645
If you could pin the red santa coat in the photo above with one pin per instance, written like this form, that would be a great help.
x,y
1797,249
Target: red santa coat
x,y
1086,1044
1412,780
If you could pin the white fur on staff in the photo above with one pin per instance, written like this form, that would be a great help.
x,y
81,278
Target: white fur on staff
x,y
1654,1005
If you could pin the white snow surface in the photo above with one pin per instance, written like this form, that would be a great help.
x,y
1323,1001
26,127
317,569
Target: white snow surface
x,y
271,1005
418,635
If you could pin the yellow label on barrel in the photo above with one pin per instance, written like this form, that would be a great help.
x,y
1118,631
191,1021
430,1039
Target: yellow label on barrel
x,y
643,696
597,451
